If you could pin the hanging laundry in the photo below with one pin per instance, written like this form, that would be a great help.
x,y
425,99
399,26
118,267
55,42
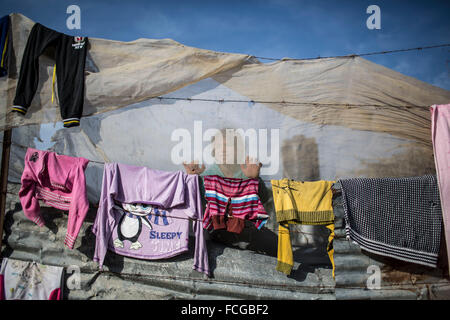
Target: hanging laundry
x,y
301,202
230,201
144,213
440,133
394,217
59,181
70,56
28,280
5,44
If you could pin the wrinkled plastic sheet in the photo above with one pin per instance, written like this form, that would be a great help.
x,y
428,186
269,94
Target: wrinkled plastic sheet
x,y
117,74
350,92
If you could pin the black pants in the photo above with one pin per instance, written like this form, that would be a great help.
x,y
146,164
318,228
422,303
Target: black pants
x,y
70,56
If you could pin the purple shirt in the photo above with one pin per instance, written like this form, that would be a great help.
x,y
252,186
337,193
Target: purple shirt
x,y
173,197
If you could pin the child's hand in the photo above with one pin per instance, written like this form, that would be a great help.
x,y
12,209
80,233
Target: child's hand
x,y
193,168
251,167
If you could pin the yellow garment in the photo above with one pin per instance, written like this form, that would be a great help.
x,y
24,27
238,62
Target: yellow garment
x,y
307,203
285,257
53,82
2,63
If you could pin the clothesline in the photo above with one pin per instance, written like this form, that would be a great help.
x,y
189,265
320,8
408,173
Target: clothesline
x,y
199,220
298,103
287,103
26,147
95,161
358,54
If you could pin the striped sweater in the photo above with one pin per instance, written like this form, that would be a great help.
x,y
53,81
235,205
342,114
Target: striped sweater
x,y
232,197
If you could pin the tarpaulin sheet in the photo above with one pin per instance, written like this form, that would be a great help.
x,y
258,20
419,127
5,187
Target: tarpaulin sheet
x,y
117,73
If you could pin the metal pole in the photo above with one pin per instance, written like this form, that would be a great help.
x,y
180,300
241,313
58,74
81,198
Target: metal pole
x,y
4,179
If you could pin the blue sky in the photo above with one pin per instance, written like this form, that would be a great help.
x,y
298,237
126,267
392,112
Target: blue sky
x,y
273,28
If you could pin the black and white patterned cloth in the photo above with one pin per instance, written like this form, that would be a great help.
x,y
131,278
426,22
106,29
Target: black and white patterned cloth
x,y
395,217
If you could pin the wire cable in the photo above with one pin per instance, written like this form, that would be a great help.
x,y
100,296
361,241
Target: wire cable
x,y
358,54
297,103
186,218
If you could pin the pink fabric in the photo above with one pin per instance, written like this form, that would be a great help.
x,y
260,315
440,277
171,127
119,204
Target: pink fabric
x,y
440,132
2,288
59,181
55,295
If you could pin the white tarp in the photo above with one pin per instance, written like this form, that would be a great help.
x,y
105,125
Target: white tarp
x,y
117,74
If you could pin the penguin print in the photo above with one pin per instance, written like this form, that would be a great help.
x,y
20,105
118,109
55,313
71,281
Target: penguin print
x,y
130,224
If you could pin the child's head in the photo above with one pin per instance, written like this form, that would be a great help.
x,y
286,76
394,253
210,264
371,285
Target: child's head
x,y
228,143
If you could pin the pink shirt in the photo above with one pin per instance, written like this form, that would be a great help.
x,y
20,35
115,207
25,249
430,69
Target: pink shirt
x,y
440,134
58,181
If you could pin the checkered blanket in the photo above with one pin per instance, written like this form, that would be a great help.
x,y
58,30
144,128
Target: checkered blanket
x,y
395,217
